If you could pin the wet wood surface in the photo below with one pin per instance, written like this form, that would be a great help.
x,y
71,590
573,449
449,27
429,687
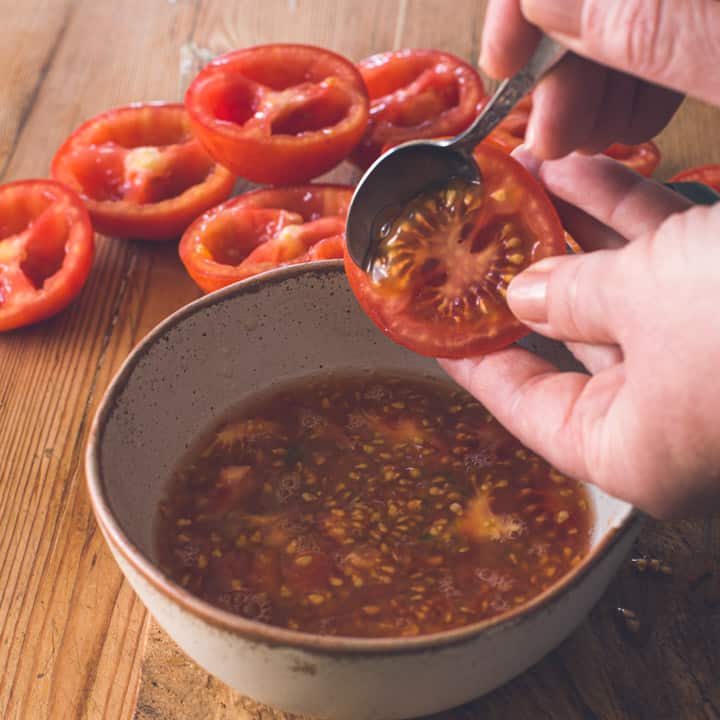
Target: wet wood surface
x,y
75,642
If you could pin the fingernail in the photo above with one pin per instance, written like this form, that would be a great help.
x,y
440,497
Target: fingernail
x,y
527,296
524,156
560,16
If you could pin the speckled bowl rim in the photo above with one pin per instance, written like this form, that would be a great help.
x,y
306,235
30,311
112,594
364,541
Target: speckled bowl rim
x,y
269,634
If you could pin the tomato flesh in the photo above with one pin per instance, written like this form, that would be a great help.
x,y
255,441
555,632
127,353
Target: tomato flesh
x,y
278,113
141,172
415,94
264,229
439,280
46,250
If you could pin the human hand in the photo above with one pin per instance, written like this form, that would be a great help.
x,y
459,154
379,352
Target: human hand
x,y
643,317
612,86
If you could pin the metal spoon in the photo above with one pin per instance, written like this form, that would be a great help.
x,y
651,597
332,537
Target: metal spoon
x,y
405,171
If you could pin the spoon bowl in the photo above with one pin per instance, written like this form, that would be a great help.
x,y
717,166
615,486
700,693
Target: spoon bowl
x,y
392,181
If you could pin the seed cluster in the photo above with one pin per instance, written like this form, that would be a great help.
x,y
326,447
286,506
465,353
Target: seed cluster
x,y
369,505
446,251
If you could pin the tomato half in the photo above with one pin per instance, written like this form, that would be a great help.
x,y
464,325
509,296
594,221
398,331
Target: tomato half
x,y
439,281
416,94
141,172
643,158
278,113
706,174
46,250
264,229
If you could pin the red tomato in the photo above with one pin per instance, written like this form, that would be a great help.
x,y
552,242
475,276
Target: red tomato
x,y
438,284
279,113
141,172
46,250
263,229
416,94
643,158
706,174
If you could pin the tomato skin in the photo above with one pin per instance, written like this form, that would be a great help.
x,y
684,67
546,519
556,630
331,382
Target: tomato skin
x,y
264,229
140,172
415,94
278,114
706,174
46,250
395,312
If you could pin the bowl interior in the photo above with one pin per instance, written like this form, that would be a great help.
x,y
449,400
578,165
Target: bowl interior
x,y
211,355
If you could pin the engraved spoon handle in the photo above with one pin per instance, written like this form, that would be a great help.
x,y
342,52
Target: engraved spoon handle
x,y
508,94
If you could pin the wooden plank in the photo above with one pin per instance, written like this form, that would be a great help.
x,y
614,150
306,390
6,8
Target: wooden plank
x,y
30,36
72,630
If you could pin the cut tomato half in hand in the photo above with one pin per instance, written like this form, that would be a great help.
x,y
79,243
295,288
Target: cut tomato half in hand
x,y
141,172
416,94
265,229
439,280
279,114
706,174
46,250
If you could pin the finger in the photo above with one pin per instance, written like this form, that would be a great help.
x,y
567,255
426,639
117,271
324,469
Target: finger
x,y
612,193
653,108
565,106
596,358
673,44
578,298
588,232
508,39
632,111
560,416
613,119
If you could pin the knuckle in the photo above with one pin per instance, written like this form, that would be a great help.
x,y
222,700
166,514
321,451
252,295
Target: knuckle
x,y
637,33
647,47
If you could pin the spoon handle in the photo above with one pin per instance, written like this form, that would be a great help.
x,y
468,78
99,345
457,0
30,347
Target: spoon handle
x,y
508,94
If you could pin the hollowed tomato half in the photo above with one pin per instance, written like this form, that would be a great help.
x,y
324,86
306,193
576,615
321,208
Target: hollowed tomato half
x,y
46,250
278,114
141,172
264,229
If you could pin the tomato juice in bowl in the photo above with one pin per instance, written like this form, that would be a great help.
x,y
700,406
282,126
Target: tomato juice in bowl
x,y
216,354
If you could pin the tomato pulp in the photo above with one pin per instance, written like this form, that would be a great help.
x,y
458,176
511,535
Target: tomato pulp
x,y
46,250
439,281
141,172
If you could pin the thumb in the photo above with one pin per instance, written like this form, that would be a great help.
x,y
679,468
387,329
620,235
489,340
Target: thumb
x,y
569,298
669,43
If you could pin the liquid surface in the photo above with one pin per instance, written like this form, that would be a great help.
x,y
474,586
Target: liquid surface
x,y
369,506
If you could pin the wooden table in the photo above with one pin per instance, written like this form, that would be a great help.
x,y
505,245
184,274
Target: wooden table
x,y
73,636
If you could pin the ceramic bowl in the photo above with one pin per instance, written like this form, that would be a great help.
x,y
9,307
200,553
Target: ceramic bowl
x,y
206,358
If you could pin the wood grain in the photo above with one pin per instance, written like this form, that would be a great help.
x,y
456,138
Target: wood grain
x,y
72,632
